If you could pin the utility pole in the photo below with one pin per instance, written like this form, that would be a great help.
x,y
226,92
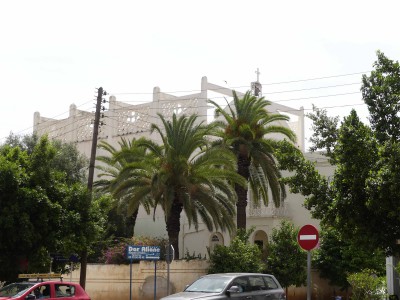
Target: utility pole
x,y
100,94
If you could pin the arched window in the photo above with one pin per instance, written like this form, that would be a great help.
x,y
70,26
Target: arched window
x,y
260,239
216,239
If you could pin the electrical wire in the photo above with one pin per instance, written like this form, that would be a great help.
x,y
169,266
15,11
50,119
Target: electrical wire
x,y
245,86
222,97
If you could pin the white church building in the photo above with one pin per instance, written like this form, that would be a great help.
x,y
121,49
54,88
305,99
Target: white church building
x,y
123,120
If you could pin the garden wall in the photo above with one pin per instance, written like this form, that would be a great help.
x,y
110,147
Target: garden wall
x,y
112,282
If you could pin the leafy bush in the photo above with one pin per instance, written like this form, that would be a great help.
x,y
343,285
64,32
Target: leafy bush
x,y
193,256
367,286
397,268
117,253
286,260
239,256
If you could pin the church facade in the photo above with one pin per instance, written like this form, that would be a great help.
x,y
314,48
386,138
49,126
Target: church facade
x,y
125,120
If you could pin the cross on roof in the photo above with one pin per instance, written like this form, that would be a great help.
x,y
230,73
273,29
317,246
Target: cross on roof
x,y
258,75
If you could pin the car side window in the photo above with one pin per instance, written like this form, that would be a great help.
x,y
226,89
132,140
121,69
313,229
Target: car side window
x,y
64,290
242,283
270,282
45,291
257,283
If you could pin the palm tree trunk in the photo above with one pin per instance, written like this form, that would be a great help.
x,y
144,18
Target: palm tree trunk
x,y
243,165
174,226
132,221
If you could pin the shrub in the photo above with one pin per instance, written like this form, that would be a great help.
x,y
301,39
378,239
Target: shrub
x,y
193,256
367,286
397,268
239,256
117,254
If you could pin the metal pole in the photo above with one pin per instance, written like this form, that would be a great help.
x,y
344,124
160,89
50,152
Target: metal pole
x,y
130,282
167,279
168,262
309,275
155,279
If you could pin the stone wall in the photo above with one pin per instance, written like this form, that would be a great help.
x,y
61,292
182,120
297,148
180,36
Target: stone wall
x,y
112,282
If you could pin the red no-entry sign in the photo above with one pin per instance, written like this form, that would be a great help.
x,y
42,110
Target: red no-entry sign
x,y
308,237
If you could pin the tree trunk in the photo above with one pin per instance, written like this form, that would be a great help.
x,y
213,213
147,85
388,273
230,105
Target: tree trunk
x,y
243,165
132,221
174,226
82,277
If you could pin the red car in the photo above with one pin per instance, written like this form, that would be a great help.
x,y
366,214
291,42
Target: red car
x,y
29,290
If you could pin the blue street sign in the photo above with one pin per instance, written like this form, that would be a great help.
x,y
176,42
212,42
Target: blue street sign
x,y
143,252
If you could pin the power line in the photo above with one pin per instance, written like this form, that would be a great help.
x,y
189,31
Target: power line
x,y
274,101
244,86
268,93
210,107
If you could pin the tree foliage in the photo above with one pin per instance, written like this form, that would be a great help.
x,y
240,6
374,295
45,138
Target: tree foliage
x,y
239,256
192,177
366,285
324,128
182,173
116,253
335,258
304,178
363,196
286,260
249,131
381,92
44,208
359,206
125,173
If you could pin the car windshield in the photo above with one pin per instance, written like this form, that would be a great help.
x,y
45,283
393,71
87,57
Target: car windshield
x,y
209,285
15,289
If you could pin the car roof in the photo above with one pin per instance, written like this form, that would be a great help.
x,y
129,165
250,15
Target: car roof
x,y
52,281
234,275
237,274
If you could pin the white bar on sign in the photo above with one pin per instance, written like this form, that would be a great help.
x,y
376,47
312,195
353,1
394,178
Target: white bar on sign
x,y
308,237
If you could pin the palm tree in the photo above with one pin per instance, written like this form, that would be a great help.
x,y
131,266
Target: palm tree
x,y
246,131
190,176
123,190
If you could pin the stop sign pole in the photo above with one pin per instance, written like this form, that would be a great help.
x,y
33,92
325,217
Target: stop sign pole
x,y
308,238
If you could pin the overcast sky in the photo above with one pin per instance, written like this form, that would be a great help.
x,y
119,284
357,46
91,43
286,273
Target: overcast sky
x,y
55,53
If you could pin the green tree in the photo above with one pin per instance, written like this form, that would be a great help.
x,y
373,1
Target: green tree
x,y
335,258
325,131
239,256
25,143
66,160
248,130
70,162
304,178
192,177
38,216
183,174
381,92
286,260
362,198
366,285
126,174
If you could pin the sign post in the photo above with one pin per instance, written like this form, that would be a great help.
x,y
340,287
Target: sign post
x,y
143,253
169,257
308,238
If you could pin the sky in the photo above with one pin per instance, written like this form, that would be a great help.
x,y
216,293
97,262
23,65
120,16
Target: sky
x,y
56,53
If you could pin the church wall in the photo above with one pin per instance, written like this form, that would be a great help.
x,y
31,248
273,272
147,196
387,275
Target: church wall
x,y
123,120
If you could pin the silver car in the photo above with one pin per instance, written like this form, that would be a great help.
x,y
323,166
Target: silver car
x,y
232,286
